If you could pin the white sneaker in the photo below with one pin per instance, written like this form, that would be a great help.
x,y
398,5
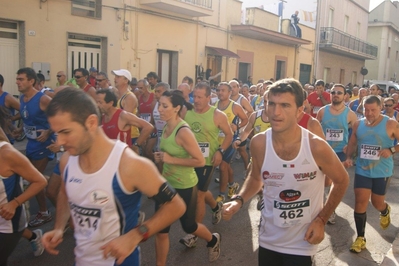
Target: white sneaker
x,y
217,215
214,252
189,241
36,243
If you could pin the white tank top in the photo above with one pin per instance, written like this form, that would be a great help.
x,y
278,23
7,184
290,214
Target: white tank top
x,y
293,197
159,124
101,207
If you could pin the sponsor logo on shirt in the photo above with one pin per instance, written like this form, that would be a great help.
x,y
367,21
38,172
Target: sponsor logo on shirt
x,y
99,197
75,180
290,195
196,127
267,175
305,176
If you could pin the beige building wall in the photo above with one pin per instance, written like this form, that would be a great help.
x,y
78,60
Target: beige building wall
x,y
132,37
383,31
350,17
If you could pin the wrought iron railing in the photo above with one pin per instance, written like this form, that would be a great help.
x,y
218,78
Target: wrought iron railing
x,y
200,3
332,36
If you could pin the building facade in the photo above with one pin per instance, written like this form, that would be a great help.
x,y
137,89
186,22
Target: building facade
x,y
342,41
174,38
383,31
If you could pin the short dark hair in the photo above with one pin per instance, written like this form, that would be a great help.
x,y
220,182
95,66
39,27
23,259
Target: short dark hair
x,y
340,86
204,85
29,72
291,86
109,96
75,102
320,82
152,75
190,80
40,77
1,80
370,99
177,99
84,71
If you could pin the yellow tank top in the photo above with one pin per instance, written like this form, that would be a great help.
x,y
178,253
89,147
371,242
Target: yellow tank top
x,y
231,118
259,124
135,131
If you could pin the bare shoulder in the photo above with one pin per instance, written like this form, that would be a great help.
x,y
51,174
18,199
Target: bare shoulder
x,y
132,165
318,146
64,160
258,142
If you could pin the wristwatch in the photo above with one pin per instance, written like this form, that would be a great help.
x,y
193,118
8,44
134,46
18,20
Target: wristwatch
x,y
221,150
136,144
239,198
143,230
392,149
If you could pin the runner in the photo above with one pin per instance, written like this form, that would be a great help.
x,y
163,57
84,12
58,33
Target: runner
x,y
180,154
101,188
318,98
81,76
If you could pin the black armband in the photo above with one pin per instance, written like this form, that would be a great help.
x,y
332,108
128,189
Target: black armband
x,y
166,193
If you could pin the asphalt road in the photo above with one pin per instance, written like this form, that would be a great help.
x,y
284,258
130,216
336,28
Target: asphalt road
x,y
240,235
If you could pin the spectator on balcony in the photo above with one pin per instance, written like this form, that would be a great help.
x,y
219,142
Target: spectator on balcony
x,y
294,25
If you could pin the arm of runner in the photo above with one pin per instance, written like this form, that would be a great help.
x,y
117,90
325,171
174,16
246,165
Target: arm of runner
x,y
247,130
12,102
320,114
239,111
352,146
44,133
314,126
392,131
19,164
323,99
253,183
130,103
53,238
92,93
352,118
185,138
247,106
220,119
329,163
146,128
132,168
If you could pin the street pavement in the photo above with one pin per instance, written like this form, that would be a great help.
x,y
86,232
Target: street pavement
x,y
240,235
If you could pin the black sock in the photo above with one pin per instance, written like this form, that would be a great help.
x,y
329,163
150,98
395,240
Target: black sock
x,y
360,221
216,208
212,242
33,237
385,212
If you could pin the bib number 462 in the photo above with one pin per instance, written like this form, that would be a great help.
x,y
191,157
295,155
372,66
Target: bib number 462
x,y
298,213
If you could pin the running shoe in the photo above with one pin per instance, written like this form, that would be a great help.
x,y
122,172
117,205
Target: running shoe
x,y
36,243
358,245
233,189
189,241
40,219
385,220
220,198
331,219
214,252
217,215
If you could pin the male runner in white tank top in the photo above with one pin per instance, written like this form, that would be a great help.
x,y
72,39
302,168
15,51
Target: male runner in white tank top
x,y
293,217
101,187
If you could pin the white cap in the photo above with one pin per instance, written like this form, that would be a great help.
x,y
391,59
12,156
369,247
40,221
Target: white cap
x,y
123,73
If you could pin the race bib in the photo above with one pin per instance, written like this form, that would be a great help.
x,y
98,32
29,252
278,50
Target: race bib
x,y
204,147
146,117
334,134
370,152
86,220
287,214
316,109
30,132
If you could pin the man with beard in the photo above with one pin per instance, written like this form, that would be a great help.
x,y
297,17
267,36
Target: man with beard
x,y
336,119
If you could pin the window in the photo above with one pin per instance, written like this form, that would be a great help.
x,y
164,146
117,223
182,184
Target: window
x,y
354,77
330,17
87,8
327,74
346,22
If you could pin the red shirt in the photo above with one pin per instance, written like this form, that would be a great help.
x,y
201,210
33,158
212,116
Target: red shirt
x,y
112,130
315,101
396,107
145,107
304,120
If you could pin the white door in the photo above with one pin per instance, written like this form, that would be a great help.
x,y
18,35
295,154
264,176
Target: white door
x,y
9,54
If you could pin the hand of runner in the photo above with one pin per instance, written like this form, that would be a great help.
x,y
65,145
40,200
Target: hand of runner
x,y
385,153
315,233
229,209
7,210
217,159
120,248
347,163
51,240
44,135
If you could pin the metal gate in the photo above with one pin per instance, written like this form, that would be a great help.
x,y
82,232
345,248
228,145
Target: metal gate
x,y
83,52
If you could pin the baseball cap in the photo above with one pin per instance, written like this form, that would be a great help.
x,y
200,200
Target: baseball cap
x,y
93,69
123,73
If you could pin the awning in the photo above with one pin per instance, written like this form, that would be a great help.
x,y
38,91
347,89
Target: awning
x,y
222,52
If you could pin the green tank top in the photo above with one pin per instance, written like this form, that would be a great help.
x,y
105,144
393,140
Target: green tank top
x,y
205,131
178,176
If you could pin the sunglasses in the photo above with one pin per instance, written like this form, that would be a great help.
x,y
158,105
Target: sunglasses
x,y
99,80
78,77
336,92
388,105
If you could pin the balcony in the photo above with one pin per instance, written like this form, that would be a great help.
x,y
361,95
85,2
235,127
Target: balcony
x,y
191,8
339,42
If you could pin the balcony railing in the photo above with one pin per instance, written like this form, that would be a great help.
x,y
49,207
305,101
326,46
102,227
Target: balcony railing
x,y
201,3
331,37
